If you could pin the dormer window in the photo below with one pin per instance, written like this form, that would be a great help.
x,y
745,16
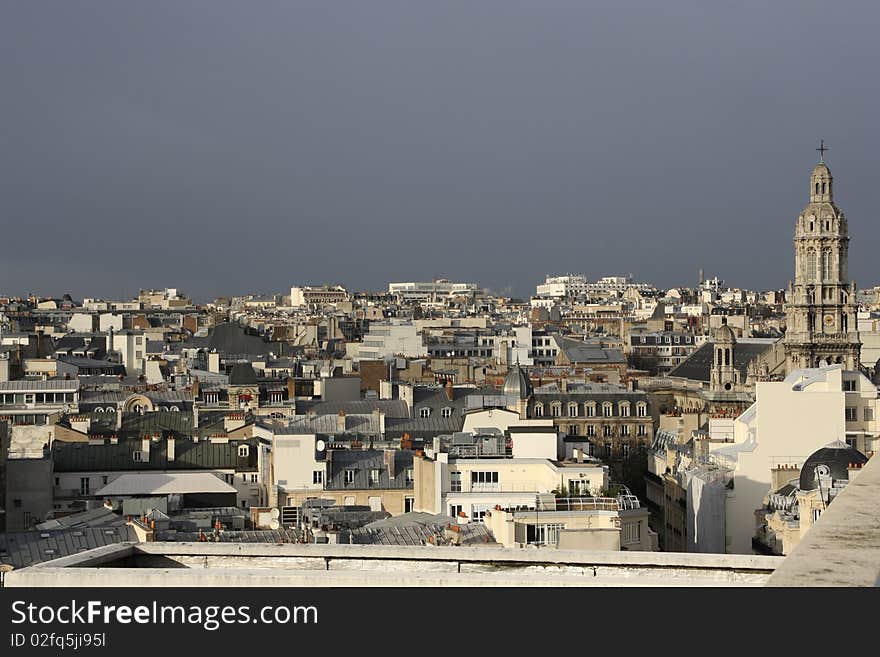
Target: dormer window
x,y
425,412
446,412
243,451
212,397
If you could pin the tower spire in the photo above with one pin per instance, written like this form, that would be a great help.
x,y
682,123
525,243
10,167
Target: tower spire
x,y
822,150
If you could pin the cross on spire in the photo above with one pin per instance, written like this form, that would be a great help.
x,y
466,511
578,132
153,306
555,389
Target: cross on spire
x,y
822,150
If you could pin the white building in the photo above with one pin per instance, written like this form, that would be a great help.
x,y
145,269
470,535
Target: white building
x,y
387,339
416,291
789,421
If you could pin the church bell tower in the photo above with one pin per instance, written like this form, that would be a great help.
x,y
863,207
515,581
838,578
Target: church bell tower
x,y
821,312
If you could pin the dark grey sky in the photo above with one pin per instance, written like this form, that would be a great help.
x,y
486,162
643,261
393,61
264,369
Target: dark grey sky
x,y
227,147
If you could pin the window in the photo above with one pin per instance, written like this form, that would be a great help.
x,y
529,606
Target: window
x,y
632,533
243,451
539,410
478,512
591,430
643,430
606,409
374,476
409,504
578,487
58,479
454,510
446,412
642,409
849,385
104,480
138,457
606,430
544,534
608,449
484,480
850,414
624,430
624,447
244,504
84,486
254,478
16,504
555,410
624,409
318,477
455,482
425,412
590,410
349,476
289,515
572,410
869,414
409,475
574,430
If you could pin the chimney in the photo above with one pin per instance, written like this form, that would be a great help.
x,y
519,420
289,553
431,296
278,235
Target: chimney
x,y
170,450
386,389
563,384
379,420
118,415
340,422
196,387
214,362
145,445
291,388
388,459
449,389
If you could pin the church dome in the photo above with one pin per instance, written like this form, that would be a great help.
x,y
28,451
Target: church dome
x,y
724,334
833,461
517,383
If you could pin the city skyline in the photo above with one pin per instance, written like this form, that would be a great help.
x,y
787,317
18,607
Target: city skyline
x,y
235,151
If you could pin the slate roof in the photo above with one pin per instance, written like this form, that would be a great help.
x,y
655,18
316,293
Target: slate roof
x,y
423,427
229,338
415,529
577,351
189,455
21,549
242,374
392,407
361,462
698,366
160,483
95,518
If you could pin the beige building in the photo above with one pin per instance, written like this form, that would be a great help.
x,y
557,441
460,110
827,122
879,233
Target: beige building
x,y
599,523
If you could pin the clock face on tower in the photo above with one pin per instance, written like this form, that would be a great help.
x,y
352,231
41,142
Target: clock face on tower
x,y
829,320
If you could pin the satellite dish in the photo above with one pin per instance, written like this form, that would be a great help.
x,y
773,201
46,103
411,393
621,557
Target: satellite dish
x,y
274,524
320,445
274,513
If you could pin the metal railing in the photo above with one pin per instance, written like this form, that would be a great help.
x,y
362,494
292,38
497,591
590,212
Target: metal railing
x,y
621,503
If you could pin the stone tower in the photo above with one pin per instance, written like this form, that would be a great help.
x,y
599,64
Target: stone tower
x,y
821,310
724,375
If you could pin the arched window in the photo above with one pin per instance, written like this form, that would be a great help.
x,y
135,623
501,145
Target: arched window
x,y
556,409
727,356
826,264
642,409
811,265
590,409
175,409
811,225
607,409
624,409
99,410
573,409
817,188
823,188
539,410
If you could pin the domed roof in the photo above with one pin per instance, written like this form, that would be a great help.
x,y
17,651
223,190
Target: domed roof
x,y
724,334
832,460
821,170
517,383
242,374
